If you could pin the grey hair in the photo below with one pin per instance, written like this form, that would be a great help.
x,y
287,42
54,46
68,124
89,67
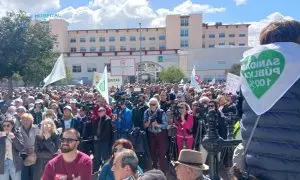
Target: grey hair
x,y
129,158
156,101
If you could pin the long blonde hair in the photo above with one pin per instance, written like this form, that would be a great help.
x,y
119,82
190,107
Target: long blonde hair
x,y
49,121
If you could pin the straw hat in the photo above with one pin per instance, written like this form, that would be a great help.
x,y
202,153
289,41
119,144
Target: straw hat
x,y
192,159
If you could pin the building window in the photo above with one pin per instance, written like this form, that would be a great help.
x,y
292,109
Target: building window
x,y
184,43
102,39
76,68
203,45
91,68
241,44
82,49
73,40
211,46
112,48
222,44
203,36
102,48
221,62
231,44
132,49
184,32
108,67
143,48
152,48
242,35
162,37
162,47
222,35
122,38
132,38
111,39
92,39
82,40
231,35
151,38
143,38
122,48
211,36
184,22
92,49
73,49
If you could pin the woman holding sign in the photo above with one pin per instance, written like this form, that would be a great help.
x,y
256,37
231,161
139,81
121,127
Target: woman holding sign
x,y
270,123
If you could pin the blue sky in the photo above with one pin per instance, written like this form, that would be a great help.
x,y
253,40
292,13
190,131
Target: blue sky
x,y
253,10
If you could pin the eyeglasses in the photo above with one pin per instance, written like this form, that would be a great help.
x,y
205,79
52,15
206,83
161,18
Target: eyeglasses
x,y
68,140
152,104
47,125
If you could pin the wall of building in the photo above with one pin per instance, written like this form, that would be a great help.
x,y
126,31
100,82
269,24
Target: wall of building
x,y
170,58
59,28
173,32
213,62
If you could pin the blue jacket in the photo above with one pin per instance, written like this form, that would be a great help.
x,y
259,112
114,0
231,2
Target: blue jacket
x,y
274,152
125,116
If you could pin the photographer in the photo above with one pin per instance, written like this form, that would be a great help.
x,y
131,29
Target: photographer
x,y
122,118
184,126
138,112
199,128
156,123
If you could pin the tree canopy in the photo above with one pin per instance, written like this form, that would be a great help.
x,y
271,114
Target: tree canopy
x,y
26,48
171,75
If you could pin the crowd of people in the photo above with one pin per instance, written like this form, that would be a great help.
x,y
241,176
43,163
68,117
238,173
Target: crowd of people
x,y
147,131
156,121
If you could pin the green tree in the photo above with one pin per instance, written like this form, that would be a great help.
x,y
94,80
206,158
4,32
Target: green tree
x,y
171,75
235,69
26,48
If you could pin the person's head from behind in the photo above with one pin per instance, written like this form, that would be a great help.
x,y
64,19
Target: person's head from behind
x,y
281,31
125,164
121,144
70,140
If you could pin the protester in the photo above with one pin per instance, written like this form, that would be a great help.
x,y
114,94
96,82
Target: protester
x,y
71,163
68,121
155,121
106,171
46,146
190,165
29,132
11,145
125,165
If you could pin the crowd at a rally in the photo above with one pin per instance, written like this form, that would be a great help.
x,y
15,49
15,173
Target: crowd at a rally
x,y
157,121
149,131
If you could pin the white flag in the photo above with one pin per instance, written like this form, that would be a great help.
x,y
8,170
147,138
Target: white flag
x,y
81,82
194,83
181,82
268,72
213,81
58,72
102,85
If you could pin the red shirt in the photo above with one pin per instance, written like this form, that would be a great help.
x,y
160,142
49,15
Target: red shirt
x,y
59,169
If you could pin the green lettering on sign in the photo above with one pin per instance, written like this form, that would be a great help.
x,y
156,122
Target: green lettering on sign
x,y
263,71
160,59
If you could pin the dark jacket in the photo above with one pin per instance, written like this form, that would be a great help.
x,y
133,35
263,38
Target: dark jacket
x,y
138,116
74,124
45,150
274,152
17,144
104,130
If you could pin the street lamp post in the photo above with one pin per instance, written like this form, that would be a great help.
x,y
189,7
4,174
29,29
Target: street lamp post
x,y
138,69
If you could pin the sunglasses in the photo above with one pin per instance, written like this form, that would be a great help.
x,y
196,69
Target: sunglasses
x,y
68,140
152,104
211,105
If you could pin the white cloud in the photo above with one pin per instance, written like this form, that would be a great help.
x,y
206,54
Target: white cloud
x,y
256,27
240,2
30,6
127,13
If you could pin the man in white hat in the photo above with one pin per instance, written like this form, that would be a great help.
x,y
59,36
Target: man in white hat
x,y
190,165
